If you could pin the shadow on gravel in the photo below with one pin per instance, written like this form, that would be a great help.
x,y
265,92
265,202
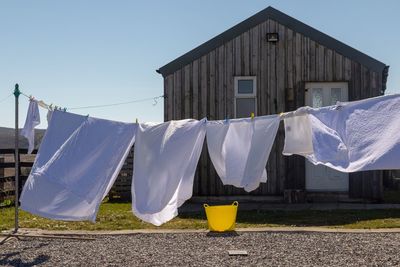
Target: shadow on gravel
x,y
14,259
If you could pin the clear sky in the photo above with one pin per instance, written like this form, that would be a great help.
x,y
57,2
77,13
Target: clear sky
x,y
78,53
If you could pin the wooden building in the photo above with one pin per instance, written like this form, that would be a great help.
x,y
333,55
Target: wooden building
x,y
267,64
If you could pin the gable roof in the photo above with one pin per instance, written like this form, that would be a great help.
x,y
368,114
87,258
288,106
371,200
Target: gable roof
x,y
276,15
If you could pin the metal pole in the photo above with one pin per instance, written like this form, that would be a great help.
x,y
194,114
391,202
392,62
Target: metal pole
x,y
16,94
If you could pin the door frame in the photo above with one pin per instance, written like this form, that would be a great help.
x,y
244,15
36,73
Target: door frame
x,y
307,101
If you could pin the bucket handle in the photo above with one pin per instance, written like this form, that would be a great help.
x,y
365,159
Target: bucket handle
x,y
235,203
205,205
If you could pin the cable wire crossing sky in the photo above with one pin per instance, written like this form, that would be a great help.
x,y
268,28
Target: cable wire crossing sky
x,y
96,55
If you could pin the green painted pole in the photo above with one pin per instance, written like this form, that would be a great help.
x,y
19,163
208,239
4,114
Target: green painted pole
x,y
17,93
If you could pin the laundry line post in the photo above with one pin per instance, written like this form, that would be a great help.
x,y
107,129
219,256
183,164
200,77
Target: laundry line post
x,y
17,93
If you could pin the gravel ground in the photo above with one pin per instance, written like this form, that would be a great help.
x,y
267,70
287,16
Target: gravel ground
x,y
202,249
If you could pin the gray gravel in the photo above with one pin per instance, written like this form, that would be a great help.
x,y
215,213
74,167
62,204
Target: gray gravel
x,y
201,249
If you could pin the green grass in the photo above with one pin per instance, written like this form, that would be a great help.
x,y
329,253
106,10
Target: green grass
x,y
118,216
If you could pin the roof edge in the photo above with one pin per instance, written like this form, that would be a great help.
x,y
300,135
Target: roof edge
x,y
282,18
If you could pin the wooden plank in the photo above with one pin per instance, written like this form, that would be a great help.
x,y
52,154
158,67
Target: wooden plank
x,y
307,72
246,53
328,64
280,74
271,70
255,59
313,61
195,115
203,175
212,176
232,61
289,59
237,46
165,100
187,92
195,89
170,97
229,79
347,69
177,95
262,71
221,86
320,58
211,87
203,87
338,67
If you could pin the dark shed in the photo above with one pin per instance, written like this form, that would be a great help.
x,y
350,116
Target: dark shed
x,y
267,64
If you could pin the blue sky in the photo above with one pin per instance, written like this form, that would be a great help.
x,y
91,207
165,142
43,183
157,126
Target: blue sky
x,y
78,53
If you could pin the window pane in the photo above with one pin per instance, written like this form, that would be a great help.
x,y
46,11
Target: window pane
x,y
336,95
245,106
317,98
245,86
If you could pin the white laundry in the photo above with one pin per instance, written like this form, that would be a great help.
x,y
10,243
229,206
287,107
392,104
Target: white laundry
x,y
76,166
165,162
32,120
298,139
239,149
357,136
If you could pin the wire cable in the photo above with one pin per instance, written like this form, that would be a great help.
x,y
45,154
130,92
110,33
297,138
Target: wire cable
x,y
155,102
7,97
120,103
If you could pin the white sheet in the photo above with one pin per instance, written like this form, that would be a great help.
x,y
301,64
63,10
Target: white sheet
x,y
239,149
298,138
77,164
165,162
357,136
32,120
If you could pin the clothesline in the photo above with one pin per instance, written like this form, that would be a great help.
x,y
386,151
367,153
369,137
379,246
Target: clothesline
x,y
80,157
55,107
5,98
51,107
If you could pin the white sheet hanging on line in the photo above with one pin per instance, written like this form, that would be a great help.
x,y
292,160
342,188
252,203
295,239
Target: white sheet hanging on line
x,y
239,149
32,120
76,171
357,136
165,162
298,139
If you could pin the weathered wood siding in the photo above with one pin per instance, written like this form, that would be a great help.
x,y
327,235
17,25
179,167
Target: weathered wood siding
x,y
204,88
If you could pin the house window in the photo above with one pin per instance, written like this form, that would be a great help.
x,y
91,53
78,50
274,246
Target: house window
x,y
245,96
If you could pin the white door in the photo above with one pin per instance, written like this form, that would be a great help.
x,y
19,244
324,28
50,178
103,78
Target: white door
x,y
322,178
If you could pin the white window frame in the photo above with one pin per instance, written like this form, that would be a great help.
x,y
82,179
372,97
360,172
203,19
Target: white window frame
x,y
253,95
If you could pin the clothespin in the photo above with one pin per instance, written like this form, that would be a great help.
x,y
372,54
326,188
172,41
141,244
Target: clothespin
x,y
137,121
51,106
226,119
252,115
65,109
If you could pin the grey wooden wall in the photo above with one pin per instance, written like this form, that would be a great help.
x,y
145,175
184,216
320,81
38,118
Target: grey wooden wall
x,y
204,88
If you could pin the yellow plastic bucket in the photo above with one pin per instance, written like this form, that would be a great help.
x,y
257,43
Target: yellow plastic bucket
x,y
221,218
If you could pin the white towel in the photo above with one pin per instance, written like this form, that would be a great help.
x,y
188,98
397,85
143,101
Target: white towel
x,y
77,164
165,162
32,120
239,149
298,138
357,136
